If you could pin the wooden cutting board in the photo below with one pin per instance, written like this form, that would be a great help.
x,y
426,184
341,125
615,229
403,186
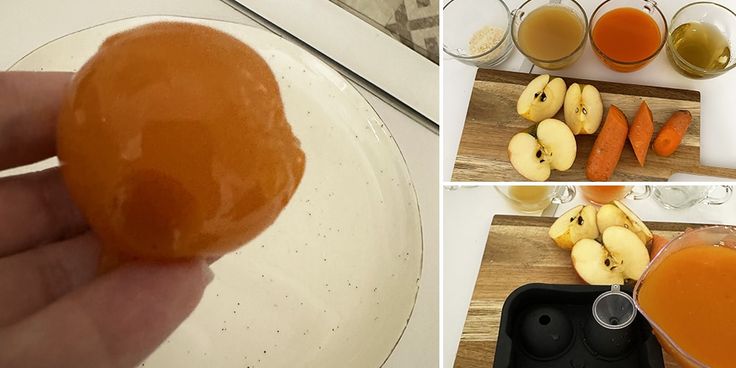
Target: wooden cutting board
x,y
518,252
492,121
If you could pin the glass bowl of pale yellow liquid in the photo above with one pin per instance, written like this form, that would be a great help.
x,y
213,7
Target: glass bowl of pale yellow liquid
x,y
535,198
700,41
550,34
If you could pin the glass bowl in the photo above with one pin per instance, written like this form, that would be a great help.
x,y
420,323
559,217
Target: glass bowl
x,y
704,12
533,198
477,32
522,13
648,7
683,286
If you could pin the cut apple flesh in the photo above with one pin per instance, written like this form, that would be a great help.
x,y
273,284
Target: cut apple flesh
x,y
583,109
553,147
558,142
617,214
639,227
542,98
574,225
525,154
629,254
621,256
591,261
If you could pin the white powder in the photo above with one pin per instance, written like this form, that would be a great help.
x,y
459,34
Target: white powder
x,y
485,39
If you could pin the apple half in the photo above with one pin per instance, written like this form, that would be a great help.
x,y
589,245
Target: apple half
x,y
536,151
583,109
617,214
574,225
621,256
542,98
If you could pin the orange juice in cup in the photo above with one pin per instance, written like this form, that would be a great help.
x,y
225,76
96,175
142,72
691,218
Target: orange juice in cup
x,y
602,194
627,34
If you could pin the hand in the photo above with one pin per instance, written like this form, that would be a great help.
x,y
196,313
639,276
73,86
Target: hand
x,y
55,311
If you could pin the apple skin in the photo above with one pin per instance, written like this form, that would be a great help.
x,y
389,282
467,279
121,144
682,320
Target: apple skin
x,y
574,225
535,152
542,98
583,109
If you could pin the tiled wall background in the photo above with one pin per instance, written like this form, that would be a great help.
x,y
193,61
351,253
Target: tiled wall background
x,y
413,22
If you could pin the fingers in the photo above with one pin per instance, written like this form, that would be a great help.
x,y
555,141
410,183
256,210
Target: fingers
x,y
35,278
116,321
29,104
36,209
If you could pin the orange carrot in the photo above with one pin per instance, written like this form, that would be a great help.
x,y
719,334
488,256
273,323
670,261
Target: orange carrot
x,y
658,242
670,136
641,131
608,146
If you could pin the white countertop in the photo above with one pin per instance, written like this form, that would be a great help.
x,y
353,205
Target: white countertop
x,y
468,212
717,130
397,69
25,25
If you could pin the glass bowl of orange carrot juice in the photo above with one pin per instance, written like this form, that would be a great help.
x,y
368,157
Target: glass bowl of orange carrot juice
x,y
627,34
687,294
551,34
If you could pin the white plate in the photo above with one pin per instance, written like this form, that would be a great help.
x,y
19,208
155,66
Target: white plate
x,y
333,282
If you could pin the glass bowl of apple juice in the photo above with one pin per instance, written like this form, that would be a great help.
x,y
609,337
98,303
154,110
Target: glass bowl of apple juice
x,y
551,34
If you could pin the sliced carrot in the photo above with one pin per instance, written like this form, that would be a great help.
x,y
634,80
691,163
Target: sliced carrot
x,y
641,131
670,136
608,146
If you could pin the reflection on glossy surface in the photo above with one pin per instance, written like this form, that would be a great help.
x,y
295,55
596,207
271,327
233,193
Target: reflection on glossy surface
x,y
174,142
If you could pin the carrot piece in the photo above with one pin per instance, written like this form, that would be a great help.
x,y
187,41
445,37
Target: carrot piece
x,y
670,136
658,242
641,131
608,146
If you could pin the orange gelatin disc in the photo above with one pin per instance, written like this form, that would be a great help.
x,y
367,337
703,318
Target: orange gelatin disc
x,y
174,143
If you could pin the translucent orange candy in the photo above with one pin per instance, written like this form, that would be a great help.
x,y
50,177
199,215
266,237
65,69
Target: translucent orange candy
x,y
174,143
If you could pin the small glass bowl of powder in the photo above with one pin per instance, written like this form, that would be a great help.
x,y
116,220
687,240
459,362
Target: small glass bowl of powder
x,y
477,32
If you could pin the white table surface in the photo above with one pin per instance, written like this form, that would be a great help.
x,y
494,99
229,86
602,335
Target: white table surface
x,y
397,69
717,130
25,25
468,212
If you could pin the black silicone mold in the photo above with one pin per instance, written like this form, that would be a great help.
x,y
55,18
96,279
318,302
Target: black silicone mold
x,y
552,326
